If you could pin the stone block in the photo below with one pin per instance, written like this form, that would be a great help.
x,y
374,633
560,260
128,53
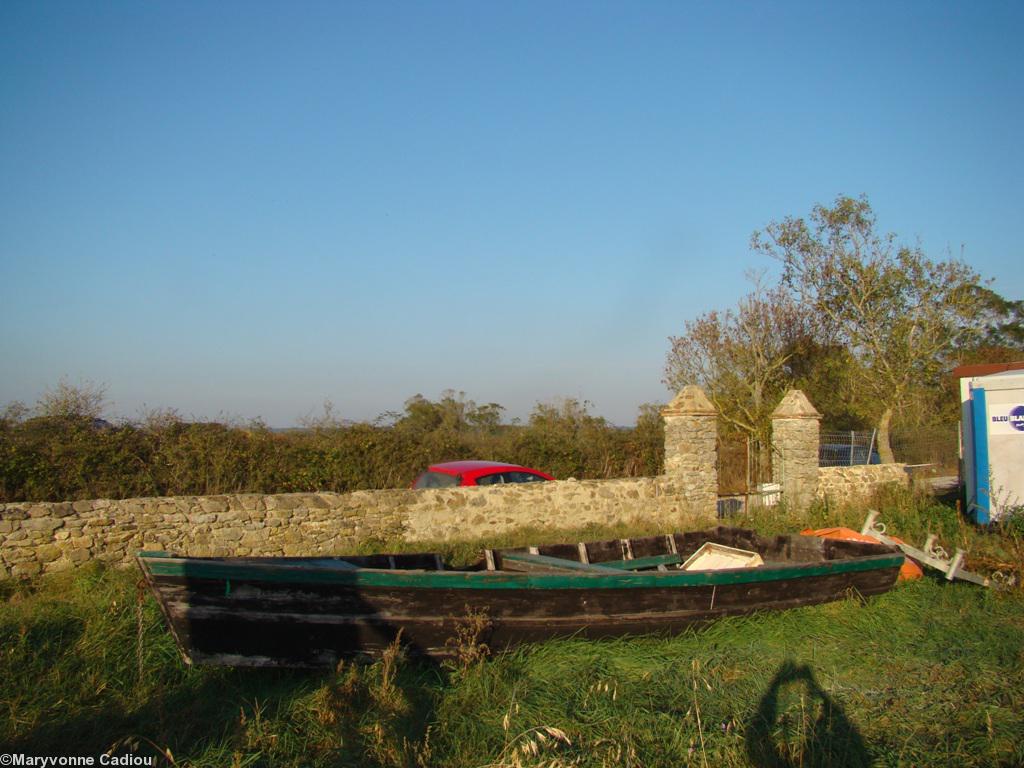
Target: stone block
x,y
45,524
203,519
26,569
213,504
57,566
287,501
252,539
251,502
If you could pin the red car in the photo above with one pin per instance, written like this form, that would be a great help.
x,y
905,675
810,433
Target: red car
x,y
453,473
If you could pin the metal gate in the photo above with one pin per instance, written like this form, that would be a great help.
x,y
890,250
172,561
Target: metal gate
x,y
745,479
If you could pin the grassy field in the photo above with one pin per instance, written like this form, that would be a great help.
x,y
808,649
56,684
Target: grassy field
x,y
929,674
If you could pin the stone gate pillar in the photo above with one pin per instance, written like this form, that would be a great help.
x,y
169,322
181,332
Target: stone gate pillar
x,y
691,435
795,424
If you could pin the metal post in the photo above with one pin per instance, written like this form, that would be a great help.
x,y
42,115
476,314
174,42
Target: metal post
x,y
748,464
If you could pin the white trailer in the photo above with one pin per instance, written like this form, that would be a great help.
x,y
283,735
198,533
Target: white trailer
x,y
992,440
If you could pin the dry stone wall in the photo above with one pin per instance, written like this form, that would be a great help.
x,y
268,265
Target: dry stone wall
x,y
850,485
44,537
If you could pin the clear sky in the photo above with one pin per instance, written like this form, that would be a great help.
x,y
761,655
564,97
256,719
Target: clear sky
x,y
248,208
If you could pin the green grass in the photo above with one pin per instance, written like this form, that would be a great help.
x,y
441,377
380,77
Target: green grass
x,y
928,674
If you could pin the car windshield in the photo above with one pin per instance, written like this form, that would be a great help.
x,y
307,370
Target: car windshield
x,y
509,477
436,480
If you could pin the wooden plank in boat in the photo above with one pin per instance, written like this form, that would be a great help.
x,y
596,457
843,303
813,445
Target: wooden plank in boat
x,y
648,546
640,563
528,561
564,551
603,551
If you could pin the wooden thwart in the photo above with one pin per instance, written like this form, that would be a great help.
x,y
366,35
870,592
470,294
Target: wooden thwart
x,y
584,555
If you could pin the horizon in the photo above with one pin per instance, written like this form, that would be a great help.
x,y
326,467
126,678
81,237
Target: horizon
x,y
110,414
249,210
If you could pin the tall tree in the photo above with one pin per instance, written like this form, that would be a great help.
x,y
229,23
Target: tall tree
x,y
1002,325
741,358
899,313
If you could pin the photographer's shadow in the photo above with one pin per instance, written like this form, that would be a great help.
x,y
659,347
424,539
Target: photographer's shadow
x,y
797,723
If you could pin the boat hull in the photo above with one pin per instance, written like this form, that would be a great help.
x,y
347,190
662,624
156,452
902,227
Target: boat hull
x,y
283,612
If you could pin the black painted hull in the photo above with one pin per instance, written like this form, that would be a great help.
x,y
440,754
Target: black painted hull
x,y
272,612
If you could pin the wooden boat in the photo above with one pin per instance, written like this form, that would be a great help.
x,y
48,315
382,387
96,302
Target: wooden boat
x,y
312,611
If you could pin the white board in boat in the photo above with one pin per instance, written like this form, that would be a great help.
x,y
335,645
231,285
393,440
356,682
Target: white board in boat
x,y
717,557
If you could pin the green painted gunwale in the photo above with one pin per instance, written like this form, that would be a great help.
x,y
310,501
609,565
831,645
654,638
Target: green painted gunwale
x,y
159,564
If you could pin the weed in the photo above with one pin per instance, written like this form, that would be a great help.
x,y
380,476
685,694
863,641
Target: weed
x,y
467,645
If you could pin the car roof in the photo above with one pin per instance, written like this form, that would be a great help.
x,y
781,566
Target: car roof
x,y
460,467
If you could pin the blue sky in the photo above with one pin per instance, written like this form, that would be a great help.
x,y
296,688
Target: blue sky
x,y
249,208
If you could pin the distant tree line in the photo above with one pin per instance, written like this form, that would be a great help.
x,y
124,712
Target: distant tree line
x,y
868,328
61,449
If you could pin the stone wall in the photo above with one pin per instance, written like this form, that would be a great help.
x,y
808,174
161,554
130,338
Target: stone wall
x,y
45,537
846,485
